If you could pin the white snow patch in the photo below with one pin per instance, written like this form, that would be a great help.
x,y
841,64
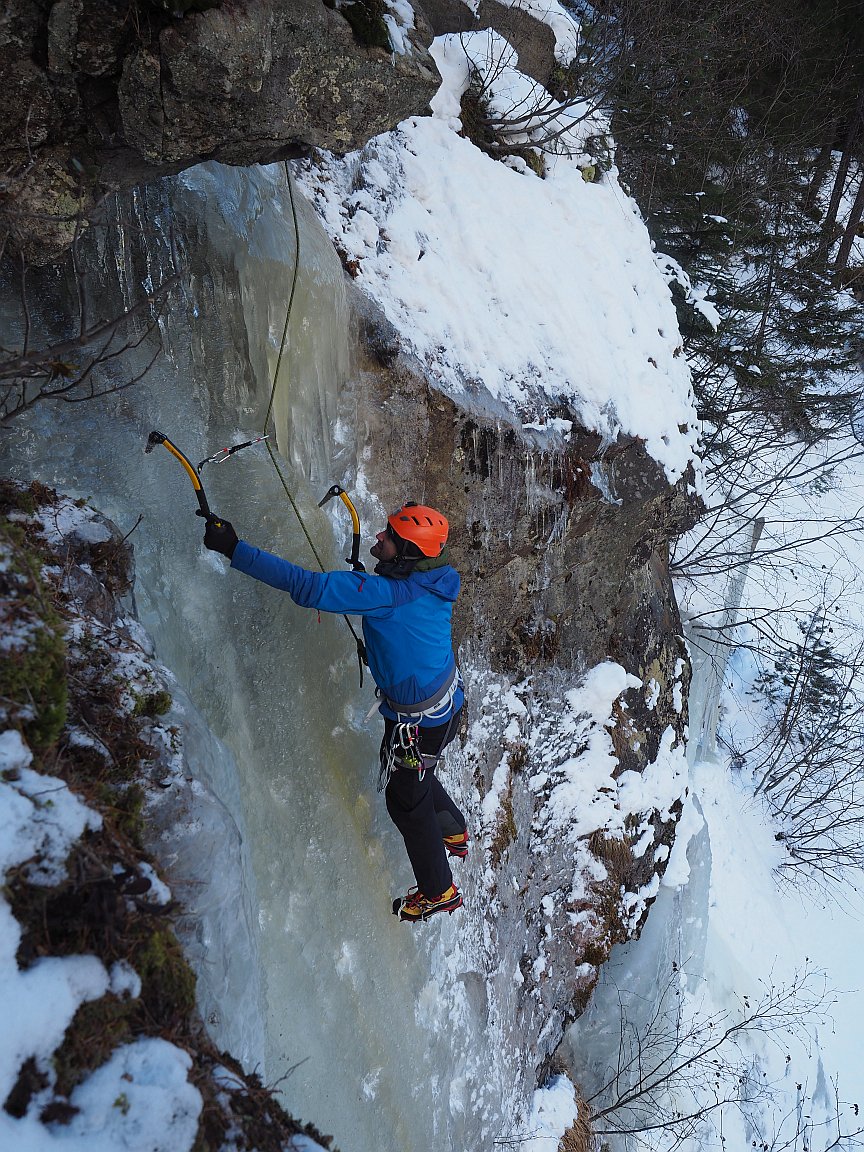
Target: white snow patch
x,y
124,980
140,1100
419,202
553,1111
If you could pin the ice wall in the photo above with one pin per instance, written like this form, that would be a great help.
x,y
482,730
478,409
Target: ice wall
x,y
357,1034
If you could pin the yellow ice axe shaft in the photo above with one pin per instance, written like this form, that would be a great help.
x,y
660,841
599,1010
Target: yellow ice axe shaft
x,y
156,438
354,558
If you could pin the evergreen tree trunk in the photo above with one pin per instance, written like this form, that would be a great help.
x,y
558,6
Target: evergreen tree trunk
x,y
851,227
840,179
820,170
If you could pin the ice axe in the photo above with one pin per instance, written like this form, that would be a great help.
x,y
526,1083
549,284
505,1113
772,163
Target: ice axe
x,y
156,438
354,558
219,457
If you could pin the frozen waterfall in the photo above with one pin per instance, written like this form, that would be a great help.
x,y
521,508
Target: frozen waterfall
x,y
354,1034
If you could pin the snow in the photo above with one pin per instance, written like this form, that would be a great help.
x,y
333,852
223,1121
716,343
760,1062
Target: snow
x,y
400,21
39,817
562,23
68,517
558,297
553,1111
584,794
691,821
124,980
760,936
574,779
140,1101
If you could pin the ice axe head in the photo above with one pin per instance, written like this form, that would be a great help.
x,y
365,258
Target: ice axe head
x,y
156,438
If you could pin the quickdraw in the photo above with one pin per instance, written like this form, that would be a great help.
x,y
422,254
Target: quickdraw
x,y
223,454
402,750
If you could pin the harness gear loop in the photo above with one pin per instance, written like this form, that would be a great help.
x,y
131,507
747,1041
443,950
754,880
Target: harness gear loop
x,y
402,750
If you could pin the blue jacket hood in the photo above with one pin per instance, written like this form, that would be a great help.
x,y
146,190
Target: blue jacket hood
x,y
443,582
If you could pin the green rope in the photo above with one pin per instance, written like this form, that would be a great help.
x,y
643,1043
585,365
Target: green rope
x,y
270,449
282,343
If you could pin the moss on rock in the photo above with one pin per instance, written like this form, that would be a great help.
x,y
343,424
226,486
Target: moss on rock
x,y
33,693
366,18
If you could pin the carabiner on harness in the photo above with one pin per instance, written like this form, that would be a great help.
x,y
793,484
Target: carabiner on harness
x,y
402,750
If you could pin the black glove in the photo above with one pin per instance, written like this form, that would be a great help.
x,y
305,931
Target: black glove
x,y
219,536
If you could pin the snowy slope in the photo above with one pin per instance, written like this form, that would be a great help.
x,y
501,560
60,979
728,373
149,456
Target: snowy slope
x,y
517,293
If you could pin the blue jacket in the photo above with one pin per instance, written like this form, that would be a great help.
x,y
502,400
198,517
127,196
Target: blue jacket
x,y
406,623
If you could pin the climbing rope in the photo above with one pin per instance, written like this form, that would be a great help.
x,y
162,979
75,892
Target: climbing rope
x,y
282,343
361,651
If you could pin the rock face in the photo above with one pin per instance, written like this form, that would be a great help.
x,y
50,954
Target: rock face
x,y
562,551
564,554
102,95
533,41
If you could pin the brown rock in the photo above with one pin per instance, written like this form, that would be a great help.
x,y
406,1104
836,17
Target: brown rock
x,y
121,93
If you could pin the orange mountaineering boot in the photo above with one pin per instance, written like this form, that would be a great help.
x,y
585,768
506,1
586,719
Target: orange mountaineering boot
x,y
415,906
457,845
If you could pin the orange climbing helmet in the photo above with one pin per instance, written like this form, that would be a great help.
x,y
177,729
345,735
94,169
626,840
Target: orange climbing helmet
x,y
425,527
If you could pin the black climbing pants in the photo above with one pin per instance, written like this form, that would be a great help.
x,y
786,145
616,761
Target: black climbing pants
x,y
424,813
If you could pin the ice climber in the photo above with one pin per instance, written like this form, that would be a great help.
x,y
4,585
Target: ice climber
x,y
406,608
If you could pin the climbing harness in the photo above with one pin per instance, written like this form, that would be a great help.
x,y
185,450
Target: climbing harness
x,y
436,704
402,750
